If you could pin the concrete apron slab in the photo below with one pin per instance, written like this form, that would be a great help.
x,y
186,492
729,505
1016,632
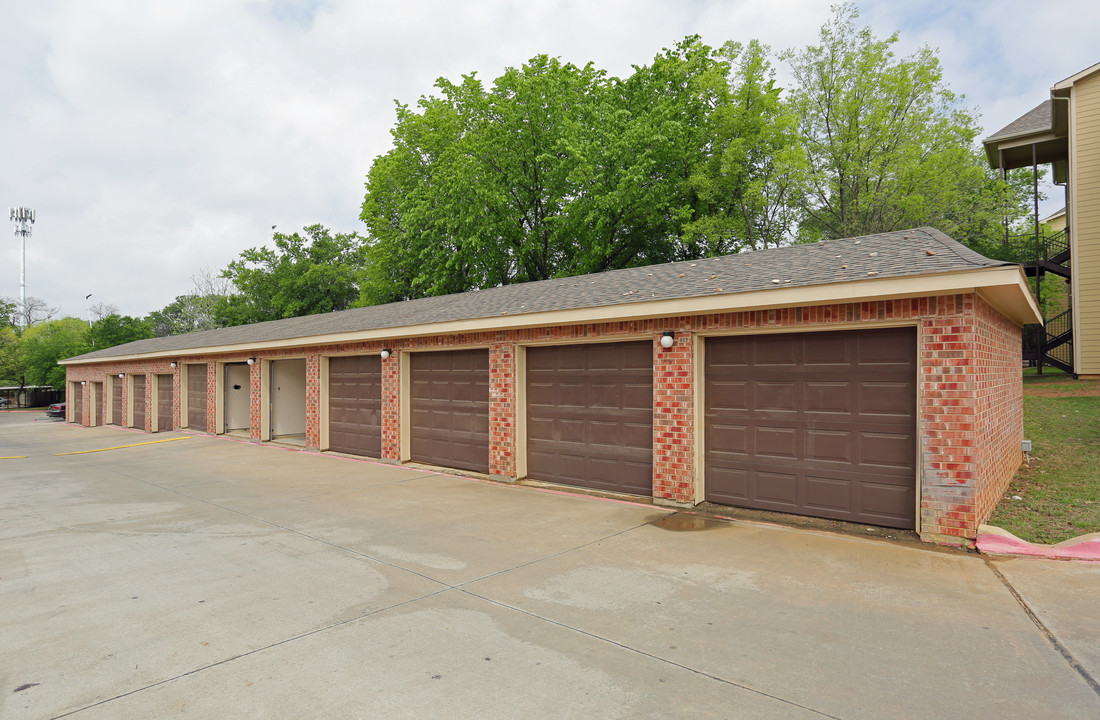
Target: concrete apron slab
x,y
1065,597
242,581
454,656
851,628
104,595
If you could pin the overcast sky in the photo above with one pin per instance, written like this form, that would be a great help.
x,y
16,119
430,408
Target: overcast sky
x,y
156,137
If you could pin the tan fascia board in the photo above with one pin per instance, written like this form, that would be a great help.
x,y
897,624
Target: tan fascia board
x,y
1075,78
1005,287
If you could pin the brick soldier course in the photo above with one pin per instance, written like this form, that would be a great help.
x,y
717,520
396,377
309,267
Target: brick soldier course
x,y
967,311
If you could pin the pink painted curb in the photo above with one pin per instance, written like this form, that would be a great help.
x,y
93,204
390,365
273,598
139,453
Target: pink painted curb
x,y
993,540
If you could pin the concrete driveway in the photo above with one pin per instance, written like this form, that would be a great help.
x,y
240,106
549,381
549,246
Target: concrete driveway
x,y
207,578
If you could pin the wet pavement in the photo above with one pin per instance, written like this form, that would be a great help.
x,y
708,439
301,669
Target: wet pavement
x,y
210,578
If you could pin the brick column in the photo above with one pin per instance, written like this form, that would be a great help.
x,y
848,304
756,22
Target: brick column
x,y
947,404
150,402
313,401
85,403
502,410
177,396
212,398
391,406
255,393
673,421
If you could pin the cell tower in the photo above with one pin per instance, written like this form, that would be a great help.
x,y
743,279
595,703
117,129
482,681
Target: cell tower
x,y
23,219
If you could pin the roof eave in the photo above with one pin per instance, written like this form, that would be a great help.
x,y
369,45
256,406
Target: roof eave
x,y
1075,78
1004,286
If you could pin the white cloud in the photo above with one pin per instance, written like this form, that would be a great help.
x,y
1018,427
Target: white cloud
x,y
157,137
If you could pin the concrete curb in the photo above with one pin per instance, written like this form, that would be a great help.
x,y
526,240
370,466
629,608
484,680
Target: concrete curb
x,y
993,540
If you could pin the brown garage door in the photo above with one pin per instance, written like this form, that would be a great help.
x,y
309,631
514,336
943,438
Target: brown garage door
x,y
449,406
164,403
77,402
139,402
355,405
820,424
590,416
116,400
97,394
196,396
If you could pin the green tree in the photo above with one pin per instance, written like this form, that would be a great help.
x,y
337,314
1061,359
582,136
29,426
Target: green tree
x,y
559,170
12,367
187,313
117,329
7,313
749,156
303,275
44,344
889,146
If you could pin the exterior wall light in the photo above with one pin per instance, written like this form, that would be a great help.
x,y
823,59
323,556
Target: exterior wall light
x,y
386,352
83,382
251,361
668,339
122,375
172,364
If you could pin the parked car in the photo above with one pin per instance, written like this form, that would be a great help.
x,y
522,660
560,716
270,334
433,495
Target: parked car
x,y
4,402
57,410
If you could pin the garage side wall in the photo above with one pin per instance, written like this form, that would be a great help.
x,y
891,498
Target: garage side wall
x,y
1000,407
971,413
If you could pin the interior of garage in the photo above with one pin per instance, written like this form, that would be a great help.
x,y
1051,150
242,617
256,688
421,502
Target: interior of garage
x,y
237,403
288,400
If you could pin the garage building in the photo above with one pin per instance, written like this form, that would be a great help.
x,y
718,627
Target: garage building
x,y
873,379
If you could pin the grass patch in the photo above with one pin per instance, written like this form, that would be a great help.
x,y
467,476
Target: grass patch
x,y
1060,492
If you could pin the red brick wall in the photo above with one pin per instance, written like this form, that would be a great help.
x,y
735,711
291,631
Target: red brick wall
x,y
674,419
971,415
313,401
391,406
1000,407
502,409
969,397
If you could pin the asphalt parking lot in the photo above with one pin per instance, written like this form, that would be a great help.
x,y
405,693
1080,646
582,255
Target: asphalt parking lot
x,y
202,577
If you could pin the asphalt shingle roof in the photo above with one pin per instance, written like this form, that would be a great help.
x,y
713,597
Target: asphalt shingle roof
x,y
1040,118
921,251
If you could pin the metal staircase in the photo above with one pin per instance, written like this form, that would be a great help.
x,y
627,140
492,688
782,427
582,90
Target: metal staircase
x,y
1050,344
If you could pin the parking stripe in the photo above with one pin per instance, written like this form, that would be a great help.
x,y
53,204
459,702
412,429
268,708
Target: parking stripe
x,y
121,447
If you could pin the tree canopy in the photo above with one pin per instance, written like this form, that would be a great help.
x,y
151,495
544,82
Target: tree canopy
x,y
559,170
556,170
888,144
303,275
42,345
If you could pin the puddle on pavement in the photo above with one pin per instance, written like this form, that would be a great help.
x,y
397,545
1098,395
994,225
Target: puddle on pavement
x,y
678,522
